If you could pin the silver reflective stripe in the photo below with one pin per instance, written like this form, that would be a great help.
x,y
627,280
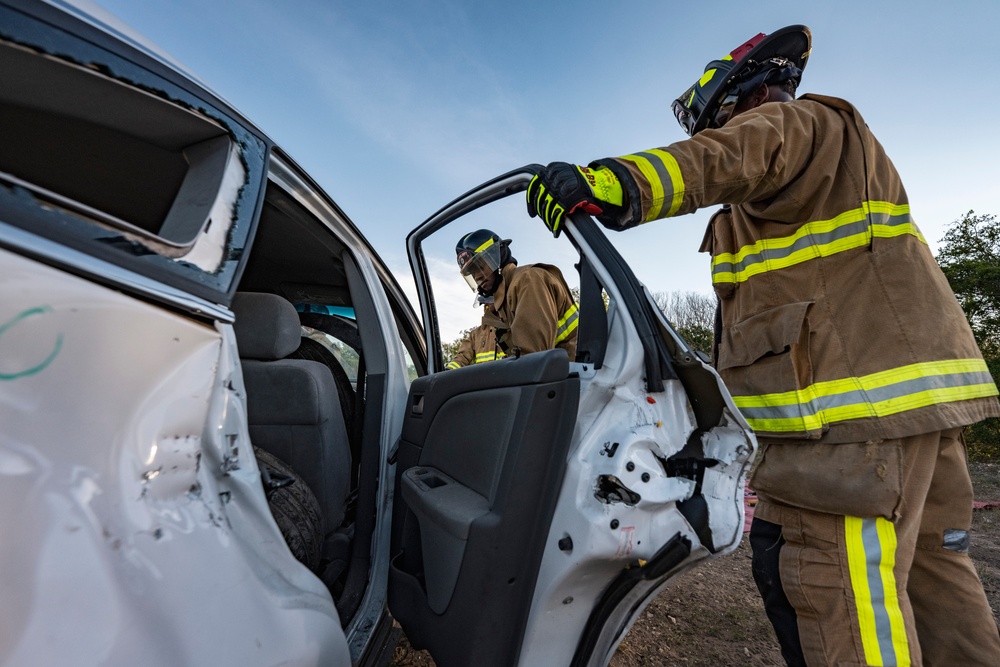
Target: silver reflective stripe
x,y
567,324
870,546
662,173
873,563
666,184
859,396
811,240
806,244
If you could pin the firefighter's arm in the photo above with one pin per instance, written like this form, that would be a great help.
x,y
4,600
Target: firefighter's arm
x,y
751,159
465,355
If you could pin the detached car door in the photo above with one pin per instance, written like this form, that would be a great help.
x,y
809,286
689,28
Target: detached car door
x,y
541,501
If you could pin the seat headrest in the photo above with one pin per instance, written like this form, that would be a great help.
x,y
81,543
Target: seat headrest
x,y
266,326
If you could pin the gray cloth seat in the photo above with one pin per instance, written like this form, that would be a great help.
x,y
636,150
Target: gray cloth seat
x,y
293,407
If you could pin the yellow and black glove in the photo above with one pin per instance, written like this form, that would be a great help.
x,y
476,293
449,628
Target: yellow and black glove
x,y
562,188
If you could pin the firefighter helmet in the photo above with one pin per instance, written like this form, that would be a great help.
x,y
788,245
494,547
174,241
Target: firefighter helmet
x,y
481,257
764,59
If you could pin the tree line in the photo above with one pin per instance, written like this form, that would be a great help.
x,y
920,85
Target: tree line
x,y
970,259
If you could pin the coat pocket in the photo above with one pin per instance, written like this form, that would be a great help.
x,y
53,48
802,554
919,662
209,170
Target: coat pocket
x,y
770,332
765,362
854,479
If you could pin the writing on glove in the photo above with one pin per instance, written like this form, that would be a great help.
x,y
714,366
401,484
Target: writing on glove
x,y
562,188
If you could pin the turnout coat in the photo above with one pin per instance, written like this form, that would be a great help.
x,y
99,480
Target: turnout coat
x,y
837,324
532,310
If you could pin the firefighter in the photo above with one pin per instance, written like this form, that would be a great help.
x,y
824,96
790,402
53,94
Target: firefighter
x,y
525,309
843,346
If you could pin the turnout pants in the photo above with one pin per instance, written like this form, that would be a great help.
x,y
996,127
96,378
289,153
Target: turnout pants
x,y
848,590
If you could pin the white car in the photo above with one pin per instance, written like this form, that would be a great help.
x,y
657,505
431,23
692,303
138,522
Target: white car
x,y
226,438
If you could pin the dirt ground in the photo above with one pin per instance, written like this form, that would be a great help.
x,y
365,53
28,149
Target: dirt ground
x,y
712,616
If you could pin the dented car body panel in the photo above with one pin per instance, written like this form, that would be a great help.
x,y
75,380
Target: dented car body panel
x,y
126,452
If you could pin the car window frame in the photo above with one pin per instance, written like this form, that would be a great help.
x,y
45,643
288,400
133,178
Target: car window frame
x,y
58,35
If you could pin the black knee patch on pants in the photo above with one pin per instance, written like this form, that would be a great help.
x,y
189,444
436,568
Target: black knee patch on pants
x,y
766,542
956,540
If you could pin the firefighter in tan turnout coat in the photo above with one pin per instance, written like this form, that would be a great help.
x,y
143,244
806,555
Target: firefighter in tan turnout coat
x,y
844,348
525,309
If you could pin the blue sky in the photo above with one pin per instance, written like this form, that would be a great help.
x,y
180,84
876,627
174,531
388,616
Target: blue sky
x,y
395,108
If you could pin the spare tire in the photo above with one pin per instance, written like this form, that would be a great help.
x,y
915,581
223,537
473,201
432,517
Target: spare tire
x,y
294,507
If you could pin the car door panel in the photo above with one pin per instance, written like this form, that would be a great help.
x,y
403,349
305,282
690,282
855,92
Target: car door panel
x,y
649,485
479,468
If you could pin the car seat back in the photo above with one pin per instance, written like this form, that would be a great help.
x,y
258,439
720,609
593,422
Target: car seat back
x,y
293,407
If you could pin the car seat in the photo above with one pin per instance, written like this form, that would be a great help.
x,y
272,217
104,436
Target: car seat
x,y
293,407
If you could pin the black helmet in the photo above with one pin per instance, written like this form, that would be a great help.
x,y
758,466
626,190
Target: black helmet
x,y
481,255
771,59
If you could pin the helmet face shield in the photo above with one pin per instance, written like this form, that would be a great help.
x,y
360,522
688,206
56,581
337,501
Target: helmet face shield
x,y
686,118
479,268
725,109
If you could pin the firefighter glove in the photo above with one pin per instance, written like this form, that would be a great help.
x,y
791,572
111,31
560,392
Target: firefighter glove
x,y
562,188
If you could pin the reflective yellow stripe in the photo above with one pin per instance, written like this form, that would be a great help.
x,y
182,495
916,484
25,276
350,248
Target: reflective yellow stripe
x,y
454,364
661,171
871,559
867,382
820,238
486,244
706,77
900,643
492,355
569,322
675,176
877,395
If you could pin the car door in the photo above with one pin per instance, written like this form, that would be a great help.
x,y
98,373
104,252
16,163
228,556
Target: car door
x,y
541,501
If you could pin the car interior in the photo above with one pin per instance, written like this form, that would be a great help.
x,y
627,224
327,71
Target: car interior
x,y
304,316
314,362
